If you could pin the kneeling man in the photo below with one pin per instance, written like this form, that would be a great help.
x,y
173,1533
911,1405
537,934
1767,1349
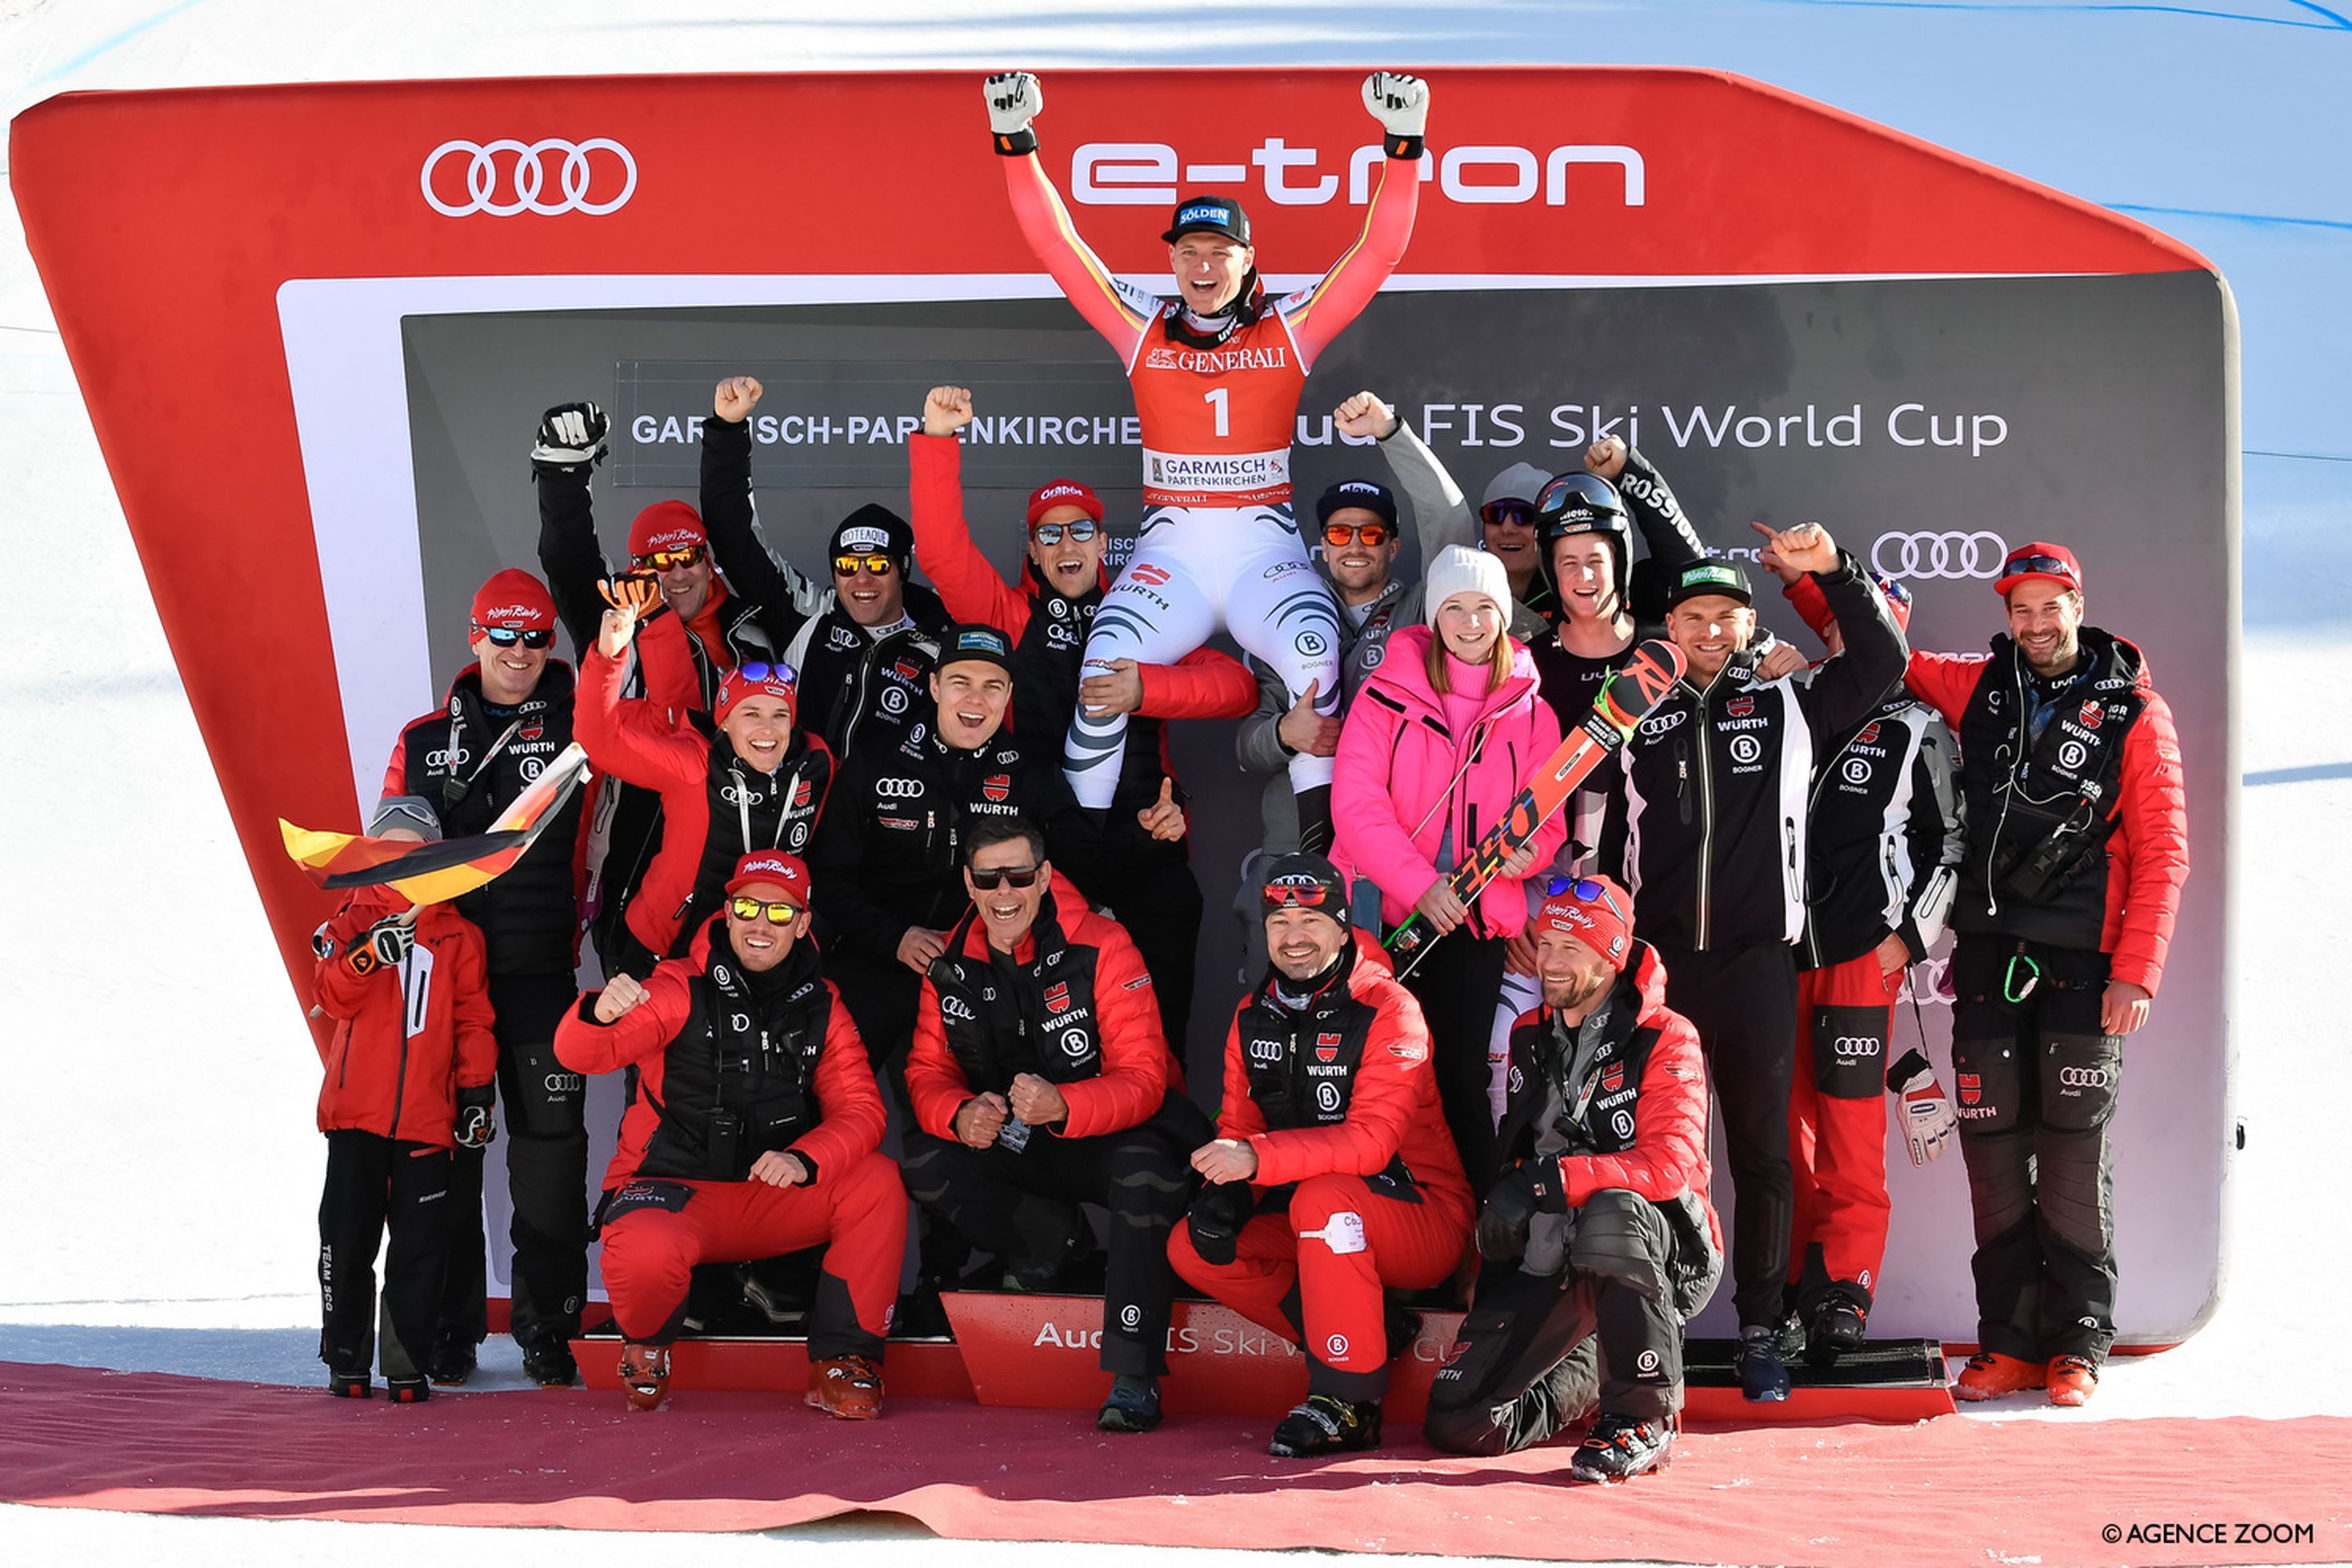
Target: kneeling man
x,y
1600,1230
754,1130
1335,1180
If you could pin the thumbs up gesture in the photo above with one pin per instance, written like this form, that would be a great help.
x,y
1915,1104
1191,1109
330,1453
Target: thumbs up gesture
x,y
1304,731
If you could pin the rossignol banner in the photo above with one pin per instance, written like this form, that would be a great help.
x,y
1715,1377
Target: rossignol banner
x,y
316,325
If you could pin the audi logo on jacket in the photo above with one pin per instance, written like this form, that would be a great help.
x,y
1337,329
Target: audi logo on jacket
x,y
1073,1005
1342,1085
1626,1094
716,809
2107,761
407,1037
777,1052
1709,833
889,852
471,760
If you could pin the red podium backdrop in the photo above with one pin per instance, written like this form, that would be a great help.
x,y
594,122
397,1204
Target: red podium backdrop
x,y
315,326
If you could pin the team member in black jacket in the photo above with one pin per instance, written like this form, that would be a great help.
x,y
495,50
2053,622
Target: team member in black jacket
x,y
508,715
1711,837
1882,857
888,853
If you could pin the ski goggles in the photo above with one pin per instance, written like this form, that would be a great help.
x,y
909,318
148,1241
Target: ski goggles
x,y
507,637
1584,890
1296,895
780,913
1509,513
850,565
671,560
1003,876
1050,534
1372,533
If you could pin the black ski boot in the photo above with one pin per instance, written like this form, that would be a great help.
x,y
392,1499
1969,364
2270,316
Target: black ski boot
x,y
1325,1424
451,1362
1618,1447
1837,1328
550,1365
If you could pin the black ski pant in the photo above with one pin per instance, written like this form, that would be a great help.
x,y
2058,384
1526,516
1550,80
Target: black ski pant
x,y
1539,1354
1024,1207
1458,985
374,1184
546,1140
2035,1083
1157,898
1743,1002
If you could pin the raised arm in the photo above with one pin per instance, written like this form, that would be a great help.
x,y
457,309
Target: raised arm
x,y
732,520
570,443
1317,314
1666,533
1119,311
967,583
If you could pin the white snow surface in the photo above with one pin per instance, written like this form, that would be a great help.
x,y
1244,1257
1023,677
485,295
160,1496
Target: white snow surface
x,y
159,1155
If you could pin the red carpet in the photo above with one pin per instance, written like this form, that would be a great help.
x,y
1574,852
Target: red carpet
x,y
1945,1491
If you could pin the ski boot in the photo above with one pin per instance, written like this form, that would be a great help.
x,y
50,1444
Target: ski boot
x,y
1990,1374
1618,1447
1837,1328
645,1374
1325,1424
550,1365
2071,1378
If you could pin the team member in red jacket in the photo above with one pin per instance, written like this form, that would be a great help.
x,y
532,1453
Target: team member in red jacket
x,y
754,1130
1601,1229
1334,1178
1040,1080
2077,848
759,783
410,1069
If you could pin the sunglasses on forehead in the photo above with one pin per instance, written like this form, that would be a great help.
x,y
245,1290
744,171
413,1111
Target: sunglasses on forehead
x,y
1050,534
1374,533
671,560
2048,565
1586,891
1508,513
507,637
1013,876
849,565
757,672
745,908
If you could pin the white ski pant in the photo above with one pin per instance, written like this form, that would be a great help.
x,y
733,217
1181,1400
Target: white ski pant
x,y
1193,568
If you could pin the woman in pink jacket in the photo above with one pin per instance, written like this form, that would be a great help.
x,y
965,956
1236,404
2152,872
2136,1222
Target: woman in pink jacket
x,y
1443,734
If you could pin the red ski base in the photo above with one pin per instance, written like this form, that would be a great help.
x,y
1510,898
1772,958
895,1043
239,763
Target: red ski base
x,y
1039,1352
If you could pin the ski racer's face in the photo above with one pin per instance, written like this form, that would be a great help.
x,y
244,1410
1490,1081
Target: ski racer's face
x,y
2044,617
509,673
1468,625
1209,269
760,942
685,588
1573,976
1007,911
1709,629
971,695
1585,569
759,728
1071,564
872,598
1302,942
1359,570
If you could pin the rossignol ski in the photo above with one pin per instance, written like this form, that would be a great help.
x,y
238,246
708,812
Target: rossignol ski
x,y
1623,700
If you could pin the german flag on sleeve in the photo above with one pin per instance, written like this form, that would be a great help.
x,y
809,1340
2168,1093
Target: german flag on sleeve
x,y
436,872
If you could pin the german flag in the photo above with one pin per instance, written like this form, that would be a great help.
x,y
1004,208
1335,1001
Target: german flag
x,y
441,870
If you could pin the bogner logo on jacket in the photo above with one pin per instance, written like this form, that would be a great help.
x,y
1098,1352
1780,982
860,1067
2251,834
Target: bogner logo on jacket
x,y
1302,1065
1885,836
738,1081
1003,1020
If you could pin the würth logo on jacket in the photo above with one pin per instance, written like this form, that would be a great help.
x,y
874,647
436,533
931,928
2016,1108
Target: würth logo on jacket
x,y
2092,710
1327,1048
996,786
1740,707
1612,1077
1057,996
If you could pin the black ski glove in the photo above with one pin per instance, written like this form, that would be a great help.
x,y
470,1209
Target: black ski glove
x,y
1527,1190
571,440
1216,1220
476,1128
382,945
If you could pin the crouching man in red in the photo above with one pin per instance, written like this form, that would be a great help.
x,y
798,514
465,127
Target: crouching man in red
x,y
1335,1179
1600,1230
753,1131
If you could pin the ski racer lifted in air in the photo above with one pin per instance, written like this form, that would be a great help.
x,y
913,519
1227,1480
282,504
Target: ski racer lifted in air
x,y
1216,375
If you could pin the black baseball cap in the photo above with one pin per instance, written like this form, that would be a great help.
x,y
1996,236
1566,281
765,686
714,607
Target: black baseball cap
x,y
971,640
1365,493
1701,578
1209,214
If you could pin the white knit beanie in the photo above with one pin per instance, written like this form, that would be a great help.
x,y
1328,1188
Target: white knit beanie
x,y
1459,569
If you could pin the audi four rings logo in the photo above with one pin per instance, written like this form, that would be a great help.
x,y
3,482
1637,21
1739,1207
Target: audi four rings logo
x,y
2083,1078
506,177
1954,555
1852,1048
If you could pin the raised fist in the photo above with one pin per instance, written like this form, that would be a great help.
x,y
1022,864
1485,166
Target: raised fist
x,y
735,398
1366,417
571,437
946,410
1399,103
1606,458
1014,100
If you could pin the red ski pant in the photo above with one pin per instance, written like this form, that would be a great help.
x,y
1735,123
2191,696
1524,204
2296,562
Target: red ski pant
x,y
1837,1130
656,1231
1316,1274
